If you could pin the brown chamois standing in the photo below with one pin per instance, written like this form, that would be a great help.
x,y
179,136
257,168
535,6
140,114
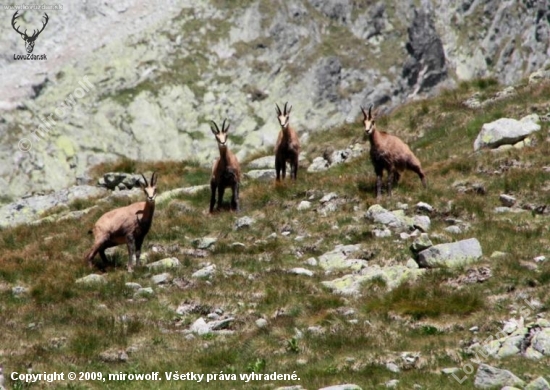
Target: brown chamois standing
x,y
388,152
226,171
126,225
288,145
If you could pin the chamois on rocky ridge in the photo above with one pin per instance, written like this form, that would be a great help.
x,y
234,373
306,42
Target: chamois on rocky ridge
x,y
388,152
226,171
126,225
288,145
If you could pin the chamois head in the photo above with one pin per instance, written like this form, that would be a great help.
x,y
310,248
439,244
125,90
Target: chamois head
x,y
150,189
368,121
284,117
221,135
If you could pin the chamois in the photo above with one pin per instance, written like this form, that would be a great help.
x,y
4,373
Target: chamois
x,y
388,152
126,225
226,171
288,145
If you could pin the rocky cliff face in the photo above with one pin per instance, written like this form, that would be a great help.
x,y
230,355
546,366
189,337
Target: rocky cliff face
x,y
142,81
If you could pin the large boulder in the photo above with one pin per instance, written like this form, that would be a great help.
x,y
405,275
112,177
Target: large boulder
x,y
506,131
488,377
455,254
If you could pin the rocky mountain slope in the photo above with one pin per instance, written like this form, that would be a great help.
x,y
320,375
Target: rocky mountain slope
x,y
156,75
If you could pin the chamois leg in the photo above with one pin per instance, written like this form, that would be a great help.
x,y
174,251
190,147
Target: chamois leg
x,y
97,247
294,168
212,196
396,177
418,170
278,168
379,172
139,243
130,241
221,190
283,167
235,197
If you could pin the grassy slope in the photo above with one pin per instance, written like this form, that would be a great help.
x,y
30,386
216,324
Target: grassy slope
x,y
430,316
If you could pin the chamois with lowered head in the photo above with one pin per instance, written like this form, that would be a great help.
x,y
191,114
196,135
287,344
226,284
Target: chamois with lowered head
x,y
388,152
226,171
126,225
288,144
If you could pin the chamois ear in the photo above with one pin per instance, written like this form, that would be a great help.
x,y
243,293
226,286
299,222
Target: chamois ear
x,y
143,184
277,109
214,128
154,178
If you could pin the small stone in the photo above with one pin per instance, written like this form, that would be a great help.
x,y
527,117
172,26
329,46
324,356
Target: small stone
x,y
474,329
304,205
169,262
311,261
392,384
507,200
450,370
204,273
243,222
421,243
92,279
453,229
393,368
300,271
133,286
261,323
329,197
162,278
412,264
539,259
422,222
424,207
144,292
19,291
381,233
498,255
205,242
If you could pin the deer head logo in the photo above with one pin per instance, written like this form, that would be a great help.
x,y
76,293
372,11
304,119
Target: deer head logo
x,y
29,40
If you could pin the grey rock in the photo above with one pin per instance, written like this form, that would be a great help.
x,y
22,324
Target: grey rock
x,y
422,222
161,278
339,259
92,279
221,324
393,368
28,209
261,323
205,242
381,233
488,377
169,262
261,174
392,384
263,163
200,327
19,291
538,384
113,356
342,387
450,370
541,342
507,200
243,222
505,131
301,271
329,197
312,261
453,229
421,243
455,254
133,286
304,205
393,219
424,207
205,273
169,195
392,276
144,292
